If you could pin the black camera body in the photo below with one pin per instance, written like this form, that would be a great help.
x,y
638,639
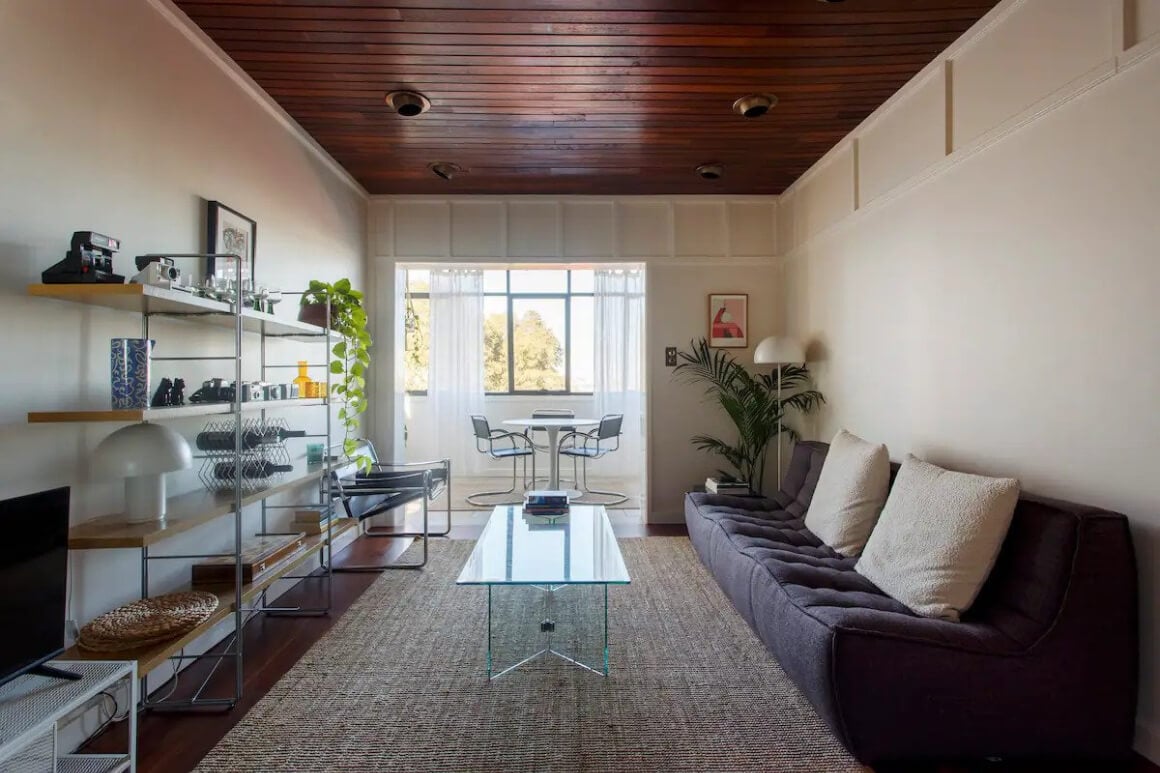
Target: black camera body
x,y
88,261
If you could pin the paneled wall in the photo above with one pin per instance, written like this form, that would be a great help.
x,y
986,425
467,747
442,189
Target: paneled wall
x,y
691,246
975,268
537,228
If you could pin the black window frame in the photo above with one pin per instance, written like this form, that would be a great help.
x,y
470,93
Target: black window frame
x,y
565,296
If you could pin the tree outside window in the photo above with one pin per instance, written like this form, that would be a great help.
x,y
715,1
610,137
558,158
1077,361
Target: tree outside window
x,y
531,339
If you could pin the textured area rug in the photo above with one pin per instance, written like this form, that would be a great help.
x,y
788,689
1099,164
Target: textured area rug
x,y
398,685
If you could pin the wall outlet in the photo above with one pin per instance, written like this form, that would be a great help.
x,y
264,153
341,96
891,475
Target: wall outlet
x,y
670,356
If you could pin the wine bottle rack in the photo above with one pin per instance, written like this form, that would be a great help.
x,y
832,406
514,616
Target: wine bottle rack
x,y
251,458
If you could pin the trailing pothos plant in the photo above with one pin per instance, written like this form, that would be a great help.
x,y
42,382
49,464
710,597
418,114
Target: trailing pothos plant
x,y
350,357
751,402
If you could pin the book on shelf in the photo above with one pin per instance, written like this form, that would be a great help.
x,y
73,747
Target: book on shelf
x,y
259,554
726,486
315,514
317,528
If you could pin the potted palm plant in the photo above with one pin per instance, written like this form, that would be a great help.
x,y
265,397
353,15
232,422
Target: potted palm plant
x,y
751,402
350,357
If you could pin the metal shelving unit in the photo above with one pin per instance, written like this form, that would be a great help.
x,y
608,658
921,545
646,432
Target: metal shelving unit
x,y
187,511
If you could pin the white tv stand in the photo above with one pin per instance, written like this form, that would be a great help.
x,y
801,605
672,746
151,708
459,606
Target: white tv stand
x,y
32,707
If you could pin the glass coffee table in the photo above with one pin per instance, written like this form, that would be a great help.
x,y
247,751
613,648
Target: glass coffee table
x,y
547,581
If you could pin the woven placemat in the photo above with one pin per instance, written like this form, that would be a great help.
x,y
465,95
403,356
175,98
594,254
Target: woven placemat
x,y
147,621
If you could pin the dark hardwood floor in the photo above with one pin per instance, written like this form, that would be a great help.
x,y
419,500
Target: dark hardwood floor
x,y
176,742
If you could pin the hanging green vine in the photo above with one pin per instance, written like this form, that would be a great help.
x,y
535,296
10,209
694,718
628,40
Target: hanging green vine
x,y
350,357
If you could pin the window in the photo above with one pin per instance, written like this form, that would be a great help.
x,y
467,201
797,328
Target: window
x,y
537,331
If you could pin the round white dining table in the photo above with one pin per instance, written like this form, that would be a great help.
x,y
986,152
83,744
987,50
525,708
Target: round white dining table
x,y
552,427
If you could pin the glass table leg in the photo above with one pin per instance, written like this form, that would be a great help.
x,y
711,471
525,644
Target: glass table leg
x,y
550,643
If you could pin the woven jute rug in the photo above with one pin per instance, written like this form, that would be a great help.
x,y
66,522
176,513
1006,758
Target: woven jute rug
x,y
398,684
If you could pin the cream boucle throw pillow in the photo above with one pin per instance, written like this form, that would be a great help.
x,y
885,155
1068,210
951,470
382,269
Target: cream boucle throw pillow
x,y
850,493
938,537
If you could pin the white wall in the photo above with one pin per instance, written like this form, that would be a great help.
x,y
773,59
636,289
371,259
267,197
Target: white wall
x,y
691,246
975,268
111,119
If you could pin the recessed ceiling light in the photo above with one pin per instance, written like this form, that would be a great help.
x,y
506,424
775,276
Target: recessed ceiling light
x,y
408,103
711,171
444,169
754,105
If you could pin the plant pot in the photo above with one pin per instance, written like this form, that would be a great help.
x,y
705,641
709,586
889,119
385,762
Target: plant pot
x,y
313,313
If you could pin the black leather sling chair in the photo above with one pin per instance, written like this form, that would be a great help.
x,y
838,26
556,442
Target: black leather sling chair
x,y
389,485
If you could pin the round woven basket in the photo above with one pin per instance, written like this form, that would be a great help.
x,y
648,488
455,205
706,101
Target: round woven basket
x,y
147,621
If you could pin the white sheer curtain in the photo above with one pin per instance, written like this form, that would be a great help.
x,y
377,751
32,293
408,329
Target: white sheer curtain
x,y
455,381
618,316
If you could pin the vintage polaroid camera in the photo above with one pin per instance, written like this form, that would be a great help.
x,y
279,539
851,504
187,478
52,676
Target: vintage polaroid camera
x,y
157,271
88,261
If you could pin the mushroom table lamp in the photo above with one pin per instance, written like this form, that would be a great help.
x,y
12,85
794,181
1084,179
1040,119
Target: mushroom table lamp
x,y
778,350
142,454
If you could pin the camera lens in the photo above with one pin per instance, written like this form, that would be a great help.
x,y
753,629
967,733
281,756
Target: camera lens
x,y
171,272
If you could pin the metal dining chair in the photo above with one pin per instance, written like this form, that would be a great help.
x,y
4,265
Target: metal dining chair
x,y
592,445
486,440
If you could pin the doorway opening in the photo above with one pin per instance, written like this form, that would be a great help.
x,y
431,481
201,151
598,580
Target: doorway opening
x,y
550,357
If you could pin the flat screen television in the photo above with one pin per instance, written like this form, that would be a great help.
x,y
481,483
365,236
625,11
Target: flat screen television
x,y
34,579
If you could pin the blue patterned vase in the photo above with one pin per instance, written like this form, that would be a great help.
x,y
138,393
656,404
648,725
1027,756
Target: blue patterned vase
x,y
129,368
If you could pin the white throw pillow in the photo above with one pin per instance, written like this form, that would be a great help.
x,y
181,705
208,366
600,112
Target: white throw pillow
x,y
938,537
850,493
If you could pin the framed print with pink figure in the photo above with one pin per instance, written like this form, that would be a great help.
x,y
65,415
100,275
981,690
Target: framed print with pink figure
x,y
729,321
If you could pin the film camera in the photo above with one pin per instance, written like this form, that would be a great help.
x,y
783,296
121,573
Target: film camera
x,y
157,271
88,261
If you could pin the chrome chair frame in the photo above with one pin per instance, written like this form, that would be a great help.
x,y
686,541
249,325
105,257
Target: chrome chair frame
x,y
485,434
592,449
395,481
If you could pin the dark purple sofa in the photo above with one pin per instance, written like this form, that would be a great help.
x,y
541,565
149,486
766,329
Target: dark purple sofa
x,y
1043,665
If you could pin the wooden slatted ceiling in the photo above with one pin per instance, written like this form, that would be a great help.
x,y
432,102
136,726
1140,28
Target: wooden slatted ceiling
x,y
568,96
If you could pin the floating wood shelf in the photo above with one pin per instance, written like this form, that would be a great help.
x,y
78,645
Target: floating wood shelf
x,y
149,658
184,512
161,414
147,299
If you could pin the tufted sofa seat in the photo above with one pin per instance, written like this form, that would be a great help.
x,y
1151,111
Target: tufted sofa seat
x,y
1043,665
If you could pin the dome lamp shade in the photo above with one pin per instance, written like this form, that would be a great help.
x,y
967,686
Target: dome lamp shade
x,y
142,454
778,350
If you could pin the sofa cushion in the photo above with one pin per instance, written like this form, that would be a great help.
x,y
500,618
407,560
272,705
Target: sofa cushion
x,y
851,491
938,537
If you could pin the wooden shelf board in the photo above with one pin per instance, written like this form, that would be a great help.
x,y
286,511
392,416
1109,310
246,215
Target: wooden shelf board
x,y
160,414
147,299
184,512
149,658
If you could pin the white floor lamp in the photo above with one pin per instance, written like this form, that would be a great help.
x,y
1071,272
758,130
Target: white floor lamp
x,y
778,350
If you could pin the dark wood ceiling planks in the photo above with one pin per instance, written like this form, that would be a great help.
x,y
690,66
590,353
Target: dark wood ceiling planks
x,y
574,97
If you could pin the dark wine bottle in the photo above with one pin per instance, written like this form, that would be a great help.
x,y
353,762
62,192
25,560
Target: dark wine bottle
x,y
251,438
259,469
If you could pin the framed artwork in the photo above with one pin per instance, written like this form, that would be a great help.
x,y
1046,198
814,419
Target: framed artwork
x,y
230,231
729,321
